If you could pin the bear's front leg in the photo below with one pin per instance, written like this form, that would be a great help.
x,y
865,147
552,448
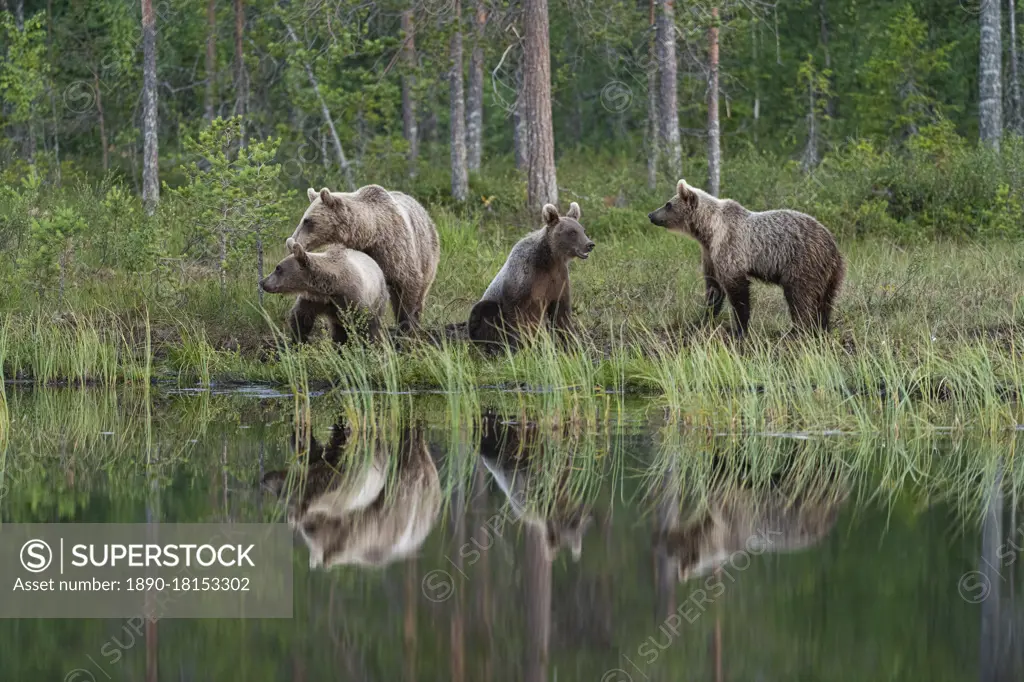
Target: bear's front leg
x,y
302,318
560,315
714,296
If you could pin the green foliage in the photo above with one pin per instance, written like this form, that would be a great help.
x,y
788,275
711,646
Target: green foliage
x,y
233,190
24,69
900,95
51,249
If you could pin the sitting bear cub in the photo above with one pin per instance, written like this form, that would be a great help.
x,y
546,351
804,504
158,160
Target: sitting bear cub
x,y
532,286
332,283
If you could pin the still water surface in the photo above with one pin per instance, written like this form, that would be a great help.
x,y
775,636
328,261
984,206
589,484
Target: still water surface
x,y
511,550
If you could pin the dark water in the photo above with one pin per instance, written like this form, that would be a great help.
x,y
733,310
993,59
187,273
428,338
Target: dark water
x,y
526,552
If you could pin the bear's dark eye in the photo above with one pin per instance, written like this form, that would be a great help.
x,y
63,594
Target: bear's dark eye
x,y
277,270
668,206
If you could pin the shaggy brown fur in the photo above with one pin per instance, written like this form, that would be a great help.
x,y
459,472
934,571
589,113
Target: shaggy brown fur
x,y
351,510
533,284
345,286
744,521
787,248
390,227
511,452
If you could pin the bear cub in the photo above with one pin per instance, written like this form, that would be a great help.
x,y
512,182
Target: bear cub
x,y
787,248
532,286
338,283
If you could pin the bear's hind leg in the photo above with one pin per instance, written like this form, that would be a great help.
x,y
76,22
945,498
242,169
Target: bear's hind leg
x,y
738,292
407,308
803,308
302,318
829,297
487,325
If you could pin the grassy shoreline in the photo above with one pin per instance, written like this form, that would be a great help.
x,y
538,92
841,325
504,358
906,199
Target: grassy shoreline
x,y
931,332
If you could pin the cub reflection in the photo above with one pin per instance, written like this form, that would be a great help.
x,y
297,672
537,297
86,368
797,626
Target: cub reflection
x,y
532,469
735,519
361,502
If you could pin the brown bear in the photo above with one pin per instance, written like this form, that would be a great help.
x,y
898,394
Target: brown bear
x,y
514,454
782,247
737,521
392,228
343,285
533,285
361,501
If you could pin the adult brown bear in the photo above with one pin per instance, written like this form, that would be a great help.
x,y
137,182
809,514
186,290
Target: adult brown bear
x,y
787,248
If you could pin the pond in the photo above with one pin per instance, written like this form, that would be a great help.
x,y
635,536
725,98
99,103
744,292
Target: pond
x,y
506,544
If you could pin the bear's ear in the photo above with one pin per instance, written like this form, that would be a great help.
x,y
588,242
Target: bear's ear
x,y
328,198
311,194
574,211
550,214
300,254
685,193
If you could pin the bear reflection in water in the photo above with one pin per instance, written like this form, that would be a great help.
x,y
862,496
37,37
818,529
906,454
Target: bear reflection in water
x,y
735,518
362,502
519,457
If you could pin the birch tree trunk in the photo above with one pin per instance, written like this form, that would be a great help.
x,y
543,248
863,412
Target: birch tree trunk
x,y
346,169
241,77
475,100
990,98
211,60
652,101
409,129
101,121
810,159
830,106
519,122
457,107
541,182
1016,115
150,150
669,124
714,130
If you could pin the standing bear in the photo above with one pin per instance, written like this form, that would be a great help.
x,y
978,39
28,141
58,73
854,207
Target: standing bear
x,y
533,285
338,283
782,247
392,228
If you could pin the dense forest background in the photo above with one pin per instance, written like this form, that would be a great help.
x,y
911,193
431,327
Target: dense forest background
x,y
799,79
169,141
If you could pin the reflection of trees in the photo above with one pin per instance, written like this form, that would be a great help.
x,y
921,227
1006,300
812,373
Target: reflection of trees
x,y
997,618
537,598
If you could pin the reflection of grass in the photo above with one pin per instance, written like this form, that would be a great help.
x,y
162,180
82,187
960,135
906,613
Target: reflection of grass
x,y
65,439
932,467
